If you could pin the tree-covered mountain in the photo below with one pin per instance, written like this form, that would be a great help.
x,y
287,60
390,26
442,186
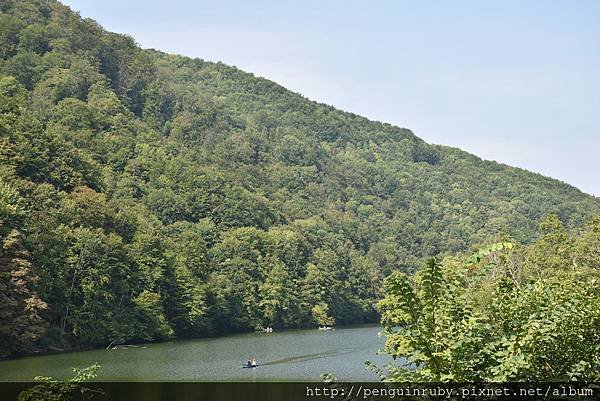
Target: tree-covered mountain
x,y
146,195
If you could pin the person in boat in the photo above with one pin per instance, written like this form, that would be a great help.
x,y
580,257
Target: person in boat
x,y
249,363
253,363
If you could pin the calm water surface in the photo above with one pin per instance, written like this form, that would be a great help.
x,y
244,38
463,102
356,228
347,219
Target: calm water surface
x,y
283,356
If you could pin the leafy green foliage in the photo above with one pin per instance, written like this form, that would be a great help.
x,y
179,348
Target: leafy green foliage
x,y
71,389
479,321
159,196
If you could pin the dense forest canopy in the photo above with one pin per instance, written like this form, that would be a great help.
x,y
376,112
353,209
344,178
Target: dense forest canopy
x,y
145,196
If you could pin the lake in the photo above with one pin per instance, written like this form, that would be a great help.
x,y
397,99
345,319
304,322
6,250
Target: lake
x,y
291,355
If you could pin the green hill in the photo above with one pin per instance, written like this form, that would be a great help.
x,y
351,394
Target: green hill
x,y
146,195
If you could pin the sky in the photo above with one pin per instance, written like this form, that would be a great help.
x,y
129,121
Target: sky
x,y
513,81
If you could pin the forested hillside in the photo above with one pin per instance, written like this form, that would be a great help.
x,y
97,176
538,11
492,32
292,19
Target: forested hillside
x,y
145,196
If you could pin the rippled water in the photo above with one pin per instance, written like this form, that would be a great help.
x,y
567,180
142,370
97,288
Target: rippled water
x,y
301,355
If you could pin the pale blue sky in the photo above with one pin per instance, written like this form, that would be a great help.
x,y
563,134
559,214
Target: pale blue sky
x,y
512,81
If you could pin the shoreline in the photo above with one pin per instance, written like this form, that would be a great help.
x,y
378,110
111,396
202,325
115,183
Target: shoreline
x,y
139,344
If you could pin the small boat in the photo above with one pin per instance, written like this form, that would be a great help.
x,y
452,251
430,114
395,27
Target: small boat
x,y
325,328
250,363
